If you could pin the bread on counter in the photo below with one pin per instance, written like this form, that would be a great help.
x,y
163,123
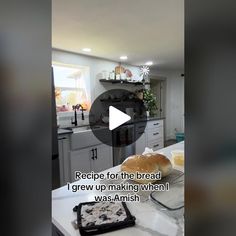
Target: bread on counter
x,y
148,163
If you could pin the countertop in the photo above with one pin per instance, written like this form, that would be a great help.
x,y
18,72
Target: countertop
x,y
65,130
155,118
150,218
61,131
150,118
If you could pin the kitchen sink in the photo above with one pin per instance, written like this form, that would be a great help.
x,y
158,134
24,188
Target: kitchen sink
x,y
83,136
80,129
83,128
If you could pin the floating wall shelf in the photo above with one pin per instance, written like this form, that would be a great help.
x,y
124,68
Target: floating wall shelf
x,y
121,82
118,100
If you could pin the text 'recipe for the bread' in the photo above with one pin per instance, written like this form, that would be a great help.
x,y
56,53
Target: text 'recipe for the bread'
x,y
142,170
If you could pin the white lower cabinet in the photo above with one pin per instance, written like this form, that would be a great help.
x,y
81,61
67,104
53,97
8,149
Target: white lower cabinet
x,y
155,134
96,158
156,144
102,159
63,151
140,143
152,136
80,161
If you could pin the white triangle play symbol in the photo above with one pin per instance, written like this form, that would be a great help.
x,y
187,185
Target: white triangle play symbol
x,y
116,118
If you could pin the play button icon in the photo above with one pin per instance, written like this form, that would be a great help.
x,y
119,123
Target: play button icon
x,y
117,118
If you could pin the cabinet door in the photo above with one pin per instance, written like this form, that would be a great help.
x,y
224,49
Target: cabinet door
x,y
140,144
63,150
80,161
103,158
61,158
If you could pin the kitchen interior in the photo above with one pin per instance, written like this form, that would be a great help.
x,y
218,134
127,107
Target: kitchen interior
x,y
99,46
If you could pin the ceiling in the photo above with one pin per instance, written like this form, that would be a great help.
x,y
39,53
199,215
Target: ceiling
x,y
144,30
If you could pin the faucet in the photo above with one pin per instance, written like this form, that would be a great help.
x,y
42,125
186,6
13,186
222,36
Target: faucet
x,y
75,108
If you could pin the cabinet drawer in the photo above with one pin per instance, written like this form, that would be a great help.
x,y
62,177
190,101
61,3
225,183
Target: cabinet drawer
x,y
156,144
154,124
154,134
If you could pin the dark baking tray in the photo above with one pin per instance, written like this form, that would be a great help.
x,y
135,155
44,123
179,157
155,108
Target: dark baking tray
x,y
104,228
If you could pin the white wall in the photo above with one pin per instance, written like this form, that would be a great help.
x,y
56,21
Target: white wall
x,y
174,104
96,66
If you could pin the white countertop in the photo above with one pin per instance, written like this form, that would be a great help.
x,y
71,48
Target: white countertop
x,y
150,218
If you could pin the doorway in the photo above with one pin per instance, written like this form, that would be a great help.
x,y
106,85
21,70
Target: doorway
x,y
158,88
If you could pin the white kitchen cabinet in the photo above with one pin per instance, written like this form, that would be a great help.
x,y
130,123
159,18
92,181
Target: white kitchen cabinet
x,y
80,160
154,124
152,137
95,158
63,151
140,143
155,134
156,144
102,158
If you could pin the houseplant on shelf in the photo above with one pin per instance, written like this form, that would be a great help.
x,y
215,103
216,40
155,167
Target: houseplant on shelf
x,y
149,101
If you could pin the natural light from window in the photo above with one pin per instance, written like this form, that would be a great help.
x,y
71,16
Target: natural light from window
x,y
72,86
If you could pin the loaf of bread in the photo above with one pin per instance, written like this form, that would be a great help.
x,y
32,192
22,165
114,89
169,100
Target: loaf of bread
x,y
148,163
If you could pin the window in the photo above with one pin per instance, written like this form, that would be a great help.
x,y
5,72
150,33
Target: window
x,y
72,86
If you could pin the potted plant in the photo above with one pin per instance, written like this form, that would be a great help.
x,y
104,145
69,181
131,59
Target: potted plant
x,y
149,101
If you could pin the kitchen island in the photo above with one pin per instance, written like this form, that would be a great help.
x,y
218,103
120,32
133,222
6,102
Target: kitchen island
x,y
151,219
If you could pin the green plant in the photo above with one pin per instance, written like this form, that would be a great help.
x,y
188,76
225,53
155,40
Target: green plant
x,y
149,101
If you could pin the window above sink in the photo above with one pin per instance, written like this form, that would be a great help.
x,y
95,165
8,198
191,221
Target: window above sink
x,y
72,86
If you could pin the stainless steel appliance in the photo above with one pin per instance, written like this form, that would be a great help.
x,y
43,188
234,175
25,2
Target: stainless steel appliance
x,y
123,143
